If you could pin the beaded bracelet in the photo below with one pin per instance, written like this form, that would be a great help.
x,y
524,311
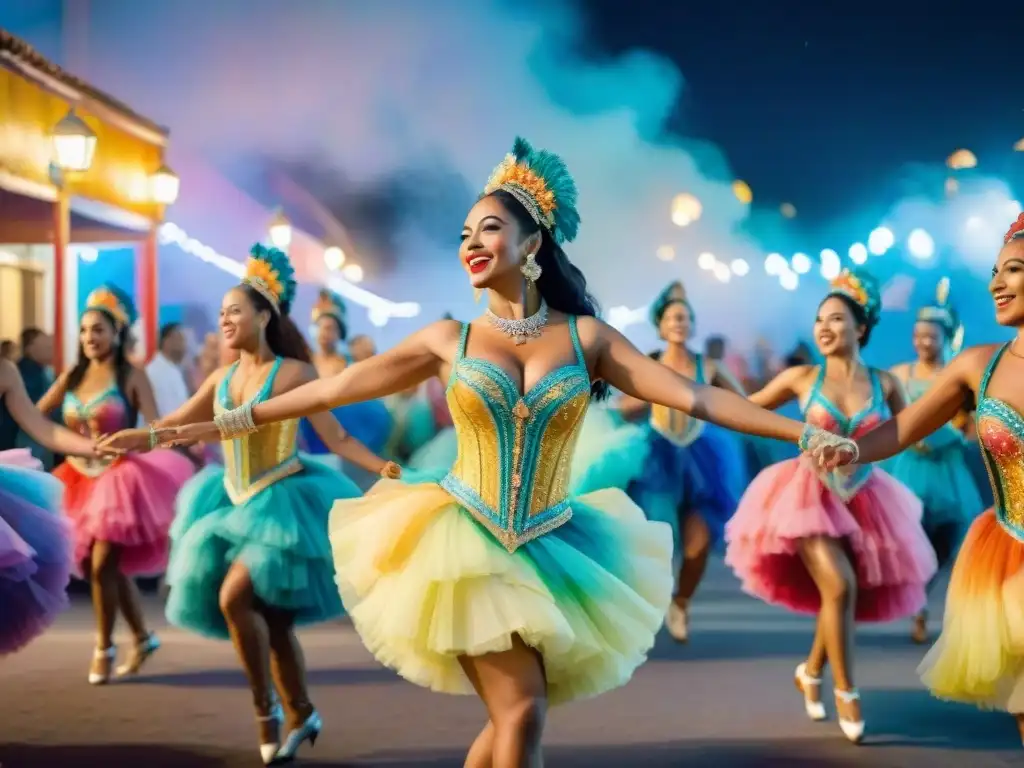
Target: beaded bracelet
x,y
813,438
236,422
154,438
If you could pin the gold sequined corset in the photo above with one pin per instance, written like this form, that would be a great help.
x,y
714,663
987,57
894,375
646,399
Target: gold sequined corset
x,y
515,451
1001,437
254,462
675,426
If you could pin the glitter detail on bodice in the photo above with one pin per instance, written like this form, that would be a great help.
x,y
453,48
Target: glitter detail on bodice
x,y
1001,436
515,451
677,427
103,414
254,462
822,412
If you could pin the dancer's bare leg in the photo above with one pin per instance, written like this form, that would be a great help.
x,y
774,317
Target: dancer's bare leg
x,y
103,572
288,666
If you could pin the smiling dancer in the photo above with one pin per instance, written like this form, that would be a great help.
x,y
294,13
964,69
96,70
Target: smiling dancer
x,y
494,579
120,508
844,547
35,538
251,558
936,469
978,659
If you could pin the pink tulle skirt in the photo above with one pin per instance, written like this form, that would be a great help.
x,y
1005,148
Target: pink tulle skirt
x,y
880,526
35,550
130,504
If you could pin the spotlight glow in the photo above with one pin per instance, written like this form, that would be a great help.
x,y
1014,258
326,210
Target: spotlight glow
x,y
666,253
801,263
739,267
789,281
334,258
881,240
706,261
921,245
775,264
721,271
831,265
353,273
858,253
686,209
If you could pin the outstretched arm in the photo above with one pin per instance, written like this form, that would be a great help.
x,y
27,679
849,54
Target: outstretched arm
x,y
142,394
623,366
406,365
199,407
783,388
45,432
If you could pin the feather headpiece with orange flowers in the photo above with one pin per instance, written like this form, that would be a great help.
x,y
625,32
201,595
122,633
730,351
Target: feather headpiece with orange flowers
x,y
1016,230
541,182
269,272
673,293
114,303
330,304
861,288
945,316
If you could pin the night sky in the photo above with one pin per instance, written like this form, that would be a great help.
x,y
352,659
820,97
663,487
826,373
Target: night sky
x,y
817,106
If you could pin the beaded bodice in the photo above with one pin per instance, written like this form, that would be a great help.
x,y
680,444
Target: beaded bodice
x,y
822,412
103,414
675,426
1001,436
257,461
942,439
515,450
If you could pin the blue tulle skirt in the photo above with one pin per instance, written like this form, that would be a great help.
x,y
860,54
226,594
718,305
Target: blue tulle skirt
x,y
279,535
943,480
370,423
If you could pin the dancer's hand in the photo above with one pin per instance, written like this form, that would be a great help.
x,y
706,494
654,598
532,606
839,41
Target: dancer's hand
x,y
124,441
391,471
832,456
190,434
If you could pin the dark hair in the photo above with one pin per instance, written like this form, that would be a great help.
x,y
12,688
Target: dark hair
x,y
666,300
342,328
7,345
860,316
122,366
283,337
167,330
28,337
562,285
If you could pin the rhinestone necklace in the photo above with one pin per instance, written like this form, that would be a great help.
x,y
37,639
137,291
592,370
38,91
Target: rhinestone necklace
x,y
521,330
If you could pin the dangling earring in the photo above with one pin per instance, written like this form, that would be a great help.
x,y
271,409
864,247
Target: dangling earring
x,y
478,294
531,269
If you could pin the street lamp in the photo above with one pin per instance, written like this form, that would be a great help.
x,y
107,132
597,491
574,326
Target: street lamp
x,y
334,258
280,230
74,144
166,185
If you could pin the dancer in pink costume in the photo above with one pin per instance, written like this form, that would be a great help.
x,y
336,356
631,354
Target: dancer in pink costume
x,y
35,539
120,509
844,546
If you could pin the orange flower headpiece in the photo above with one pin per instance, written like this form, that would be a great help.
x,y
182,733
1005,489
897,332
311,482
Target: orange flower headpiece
x,y
1016,230
269,272
114,303
861,288
945,316
540,181
330,304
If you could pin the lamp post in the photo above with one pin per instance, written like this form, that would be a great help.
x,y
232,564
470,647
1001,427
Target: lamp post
x,y
74,145
164,186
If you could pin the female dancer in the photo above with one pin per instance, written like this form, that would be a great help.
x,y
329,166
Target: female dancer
x,y
369,423
694,473
35,539
250,557
936,469
842,547
494,580
120,509
978,657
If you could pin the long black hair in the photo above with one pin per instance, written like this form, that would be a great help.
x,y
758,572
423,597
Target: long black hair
x,y
122,366
283,337
562,285
860,316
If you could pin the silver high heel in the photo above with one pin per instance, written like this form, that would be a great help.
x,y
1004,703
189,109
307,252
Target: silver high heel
x,y
815,709
106,655
268,751
308,731
677,622
853,730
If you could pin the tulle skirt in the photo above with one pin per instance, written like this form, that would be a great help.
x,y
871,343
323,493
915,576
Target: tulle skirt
x,y
439,453
279,535
130,504
35,550
425,583
979,658
942,480
609,453
881,524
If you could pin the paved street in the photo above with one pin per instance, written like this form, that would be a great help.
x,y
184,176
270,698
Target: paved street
x,y
724,700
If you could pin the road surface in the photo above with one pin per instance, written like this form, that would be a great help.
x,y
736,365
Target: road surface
x,y
726,699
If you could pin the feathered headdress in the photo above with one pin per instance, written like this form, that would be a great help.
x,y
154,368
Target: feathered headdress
x,y
269,272
1016,230
860,287
673,293
945,316
540,181
114,303
330,304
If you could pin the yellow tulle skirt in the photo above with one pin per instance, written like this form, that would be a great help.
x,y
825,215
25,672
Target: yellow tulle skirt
x,y
979,658
425,583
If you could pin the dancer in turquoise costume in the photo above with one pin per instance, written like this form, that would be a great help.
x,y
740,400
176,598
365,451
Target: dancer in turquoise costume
x,y
936,468
250,557
370,423
496,579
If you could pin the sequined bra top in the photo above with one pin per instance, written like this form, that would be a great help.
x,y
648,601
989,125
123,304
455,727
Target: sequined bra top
x,y
257,461
515,450
103,414
822,412
1001,437
675,426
